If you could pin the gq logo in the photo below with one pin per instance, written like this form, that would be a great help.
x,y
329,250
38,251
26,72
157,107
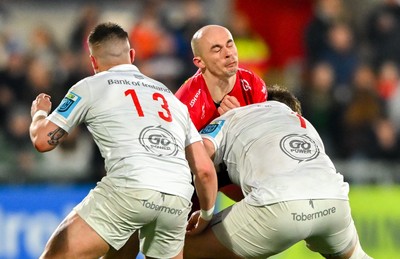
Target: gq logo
x,y
158,140
246,86
299,147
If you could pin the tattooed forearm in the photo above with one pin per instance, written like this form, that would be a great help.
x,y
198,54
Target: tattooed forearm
x,y
55,136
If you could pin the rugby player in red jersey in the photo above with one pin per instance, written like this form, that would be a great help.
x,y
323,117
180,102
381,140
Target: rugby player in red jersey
x,y
218,86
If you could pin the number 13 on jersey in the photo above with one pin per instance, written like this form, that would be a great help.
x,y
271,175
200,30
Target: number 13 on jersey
x,y
164,114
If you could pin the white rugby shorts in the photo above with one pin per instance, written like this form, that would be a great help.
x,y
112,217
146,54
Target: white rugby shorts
x,y
115,213
260,232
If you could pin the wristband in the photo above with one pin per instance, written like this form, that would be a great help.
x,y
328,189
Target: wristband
x,y
38,114
207,214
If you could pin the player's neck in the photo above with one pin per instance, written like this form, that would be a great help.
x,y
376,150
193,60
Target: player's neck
x,y
219,88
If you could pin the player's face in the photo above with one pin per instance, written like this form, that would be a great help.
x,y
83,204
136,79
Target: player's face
x,y
220,54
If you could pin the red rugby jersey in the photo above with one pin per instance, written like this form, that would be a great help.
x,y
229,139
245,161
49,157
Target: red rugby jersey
x,y
249,88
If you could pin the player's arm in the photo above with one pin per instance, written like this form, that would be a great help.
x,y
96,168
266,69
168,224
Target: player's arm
x,y
232,191
44,134
205,181
209,148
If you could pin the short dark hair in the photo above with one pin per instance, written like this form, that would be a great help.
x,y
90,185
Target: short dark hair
x,y
283,95
106,31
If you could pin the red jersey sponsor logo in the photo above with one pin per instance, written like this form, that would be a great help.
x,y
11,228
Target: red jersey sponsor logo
x,y
196,96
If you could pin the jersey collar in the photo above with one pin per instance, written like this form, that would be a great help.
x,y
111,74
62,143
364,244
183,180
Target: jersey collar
x,y
124,68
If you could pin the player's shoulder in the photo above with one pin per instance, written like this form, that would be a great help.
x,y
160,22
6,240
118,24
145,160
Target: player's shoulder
x,y
83,84
194,80
191,85
251,78
245,72
95,79
249,75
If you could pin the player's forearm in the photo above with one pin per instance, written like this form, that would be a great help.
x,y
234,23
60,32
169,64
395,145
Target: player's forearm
x,y
206,188
36,130
45,135
40,127
205,177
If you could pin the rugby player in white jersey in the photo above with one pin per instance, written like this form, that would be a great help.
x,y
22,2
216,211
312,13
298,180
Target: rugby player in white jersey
x,y
150,147
291,187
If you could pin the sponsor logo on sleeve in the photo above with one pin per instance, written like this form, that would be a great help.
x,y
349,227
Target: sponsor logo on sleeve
x,y
213,128
299,147
68,104
157,140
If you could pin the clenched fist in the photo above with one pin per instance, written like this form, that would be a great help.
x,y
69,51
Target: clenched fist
x,y
42,102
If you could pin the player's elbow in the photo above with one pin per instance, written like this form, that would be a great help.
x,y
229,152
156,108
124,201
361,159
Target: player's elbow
x,y
42,147
206,174
40,136
41,144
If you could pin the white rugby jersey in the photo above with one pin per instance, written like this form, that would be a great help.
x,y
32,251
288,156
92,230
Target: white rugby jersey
x,y
140,127
274,155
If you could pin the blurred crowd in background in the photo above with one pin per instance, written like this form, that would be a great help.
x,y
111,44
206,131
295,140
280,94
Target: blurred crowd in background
x,y
348,79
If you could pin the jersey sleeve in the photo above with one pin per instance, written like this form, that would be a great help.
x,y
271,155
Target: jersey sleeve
x,y
185,90
215,133
72,109
193,134
188,94
260,93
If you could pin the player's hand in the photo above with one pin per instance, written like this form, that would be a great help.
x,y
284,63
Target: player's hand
x,y
42,102
228,103
196,224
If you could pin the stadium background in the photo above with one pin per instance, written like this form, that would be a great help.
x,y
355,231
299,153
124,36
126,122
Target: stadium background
x,y
42,49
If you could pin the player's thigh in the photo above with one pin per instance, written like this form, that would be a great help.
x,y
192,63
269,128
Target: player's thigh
x,y
128,251
115,213
164,237
257,231
206,245
75,238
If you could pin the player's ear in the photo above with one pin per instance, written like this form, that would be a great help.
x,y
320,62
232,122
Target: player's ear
x,y
95,65
132,55
198,62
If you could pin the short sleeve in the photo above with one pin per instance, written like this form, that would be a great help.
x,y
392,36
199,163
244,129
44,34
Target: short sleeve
x,y
193,135
72,109
215,133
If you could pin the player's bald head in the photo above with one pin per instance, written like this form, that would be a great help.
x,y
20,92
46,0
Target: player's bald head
x,y
205,34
